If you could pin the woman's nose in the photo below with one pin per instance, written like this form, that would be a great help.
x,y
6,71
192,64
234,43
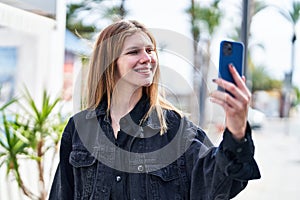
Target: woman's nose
x,y
145,57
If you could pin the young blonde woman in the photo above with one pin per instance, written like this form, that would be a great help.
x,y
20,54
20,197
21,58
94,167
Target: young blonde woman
x,y
130,143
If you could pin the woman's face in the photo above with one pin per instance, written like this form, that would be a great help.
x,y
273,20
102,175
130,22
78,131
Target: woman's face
x,y
138,61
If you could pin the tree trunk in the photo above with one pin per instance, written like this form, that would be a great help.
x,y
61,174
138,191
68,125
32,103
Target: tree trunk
x,y
40,155
203,86
20,182
122,9
194,109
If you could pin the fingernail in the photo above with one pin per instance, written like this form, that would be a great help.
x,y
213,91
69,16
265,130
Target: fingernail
x,y
214,80
231,66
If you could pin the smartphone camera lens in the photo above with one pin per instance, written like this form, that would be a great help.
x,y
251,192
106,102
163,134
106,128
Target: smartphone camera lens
x,y
227,49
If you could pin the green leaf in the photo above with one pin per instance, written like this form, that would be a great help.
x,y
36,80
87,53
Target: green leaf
x,y
2,154
8,104
3,161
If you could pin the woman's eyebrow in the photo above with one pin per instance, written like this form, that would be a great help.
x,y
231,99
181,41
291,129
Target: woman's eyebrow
x,y
138,47
132,48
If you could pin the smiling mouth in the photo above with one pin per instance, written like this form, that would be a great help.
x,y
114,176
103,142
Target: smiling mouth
x,y
143,70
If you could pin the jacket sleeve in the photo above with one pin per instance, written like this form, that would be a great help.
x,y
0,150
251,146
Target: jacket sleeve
x,y
236,158
63,183
221,172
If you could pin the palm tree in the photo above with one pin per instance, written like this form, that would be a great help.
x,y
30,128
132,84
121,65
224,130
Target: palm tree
x,y
116,12
292,16
204,21
30,135
96,8
12,146
76,24
39,125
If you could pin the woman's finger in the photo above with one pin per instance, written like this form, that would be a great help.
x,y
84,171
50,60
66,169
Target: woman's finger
x,y
244,79
236,76
239,81
222,103
223,98
233,89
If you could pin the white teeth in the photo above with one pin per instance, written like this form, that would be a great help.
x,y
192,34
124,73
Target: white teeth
x,y
142,70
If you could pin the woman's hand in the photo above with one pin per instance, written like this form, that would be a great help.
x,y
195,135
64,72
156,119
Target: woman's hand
x,y
235,105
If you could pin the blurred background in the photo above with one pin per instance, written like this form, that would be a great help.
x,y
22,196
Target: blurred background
x,y
44,54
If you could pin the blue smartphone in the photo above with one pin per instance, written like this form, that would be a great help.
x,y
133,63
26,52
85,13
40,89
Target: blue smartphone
x,y
230,53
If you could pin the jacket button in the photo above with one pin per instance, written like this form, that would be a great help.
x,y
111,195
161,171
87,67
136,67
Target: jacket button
x,y
118,178
140,168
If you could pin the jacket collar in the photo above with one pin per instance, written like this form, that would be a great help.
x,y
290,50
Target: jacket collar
x,y
134,117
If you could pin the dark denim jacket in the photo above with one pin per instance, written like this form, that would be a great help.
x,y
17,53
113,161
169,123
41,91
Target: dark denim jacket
x,y
143,164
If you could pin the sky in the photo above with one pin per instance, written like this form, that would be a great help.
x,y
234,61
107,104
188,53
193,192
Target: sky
x,y
275,33
268,28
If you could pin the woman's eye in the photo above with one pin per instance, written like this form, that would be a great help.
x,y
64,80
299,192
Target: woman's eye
x,y
137,51
149,50
133,52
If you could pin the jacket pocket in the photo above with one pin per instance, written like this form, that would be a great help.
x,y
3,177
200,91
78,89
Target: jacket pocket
x,y
81,158
168,173
165,183
85,173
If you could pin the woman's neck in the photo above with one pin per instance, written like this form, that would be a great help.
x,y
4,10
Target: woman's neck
x,y
123,101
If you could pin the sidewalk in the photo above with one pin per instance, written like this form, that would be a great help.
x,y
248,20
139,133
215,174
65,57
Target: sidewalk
x,y
278,156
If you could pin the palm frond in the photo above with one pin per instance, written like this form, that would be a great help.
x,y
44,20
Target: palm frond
x,y
8,104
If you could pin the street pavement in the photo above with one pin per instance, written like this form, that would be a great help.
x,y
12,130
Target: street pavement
x,y
277,152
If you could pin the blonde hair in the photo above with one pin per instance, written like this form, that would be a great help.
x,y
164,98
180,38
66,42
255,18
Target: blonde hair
x,y
103,68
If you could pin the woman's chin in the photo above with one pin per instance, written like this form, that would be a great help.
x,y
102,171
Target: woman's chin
x,y
147,83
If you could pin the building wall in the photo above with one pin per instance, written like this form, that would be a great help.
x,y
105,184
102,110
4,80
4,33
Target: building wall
x,y
39,42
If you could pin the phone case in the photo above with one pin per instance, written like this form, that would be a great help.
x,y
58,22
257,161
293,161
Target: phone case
x,y
231,52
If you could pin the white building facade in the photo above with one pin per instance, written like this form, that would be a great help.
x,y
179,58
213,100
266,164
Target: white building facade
x,y
31,55
38,41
